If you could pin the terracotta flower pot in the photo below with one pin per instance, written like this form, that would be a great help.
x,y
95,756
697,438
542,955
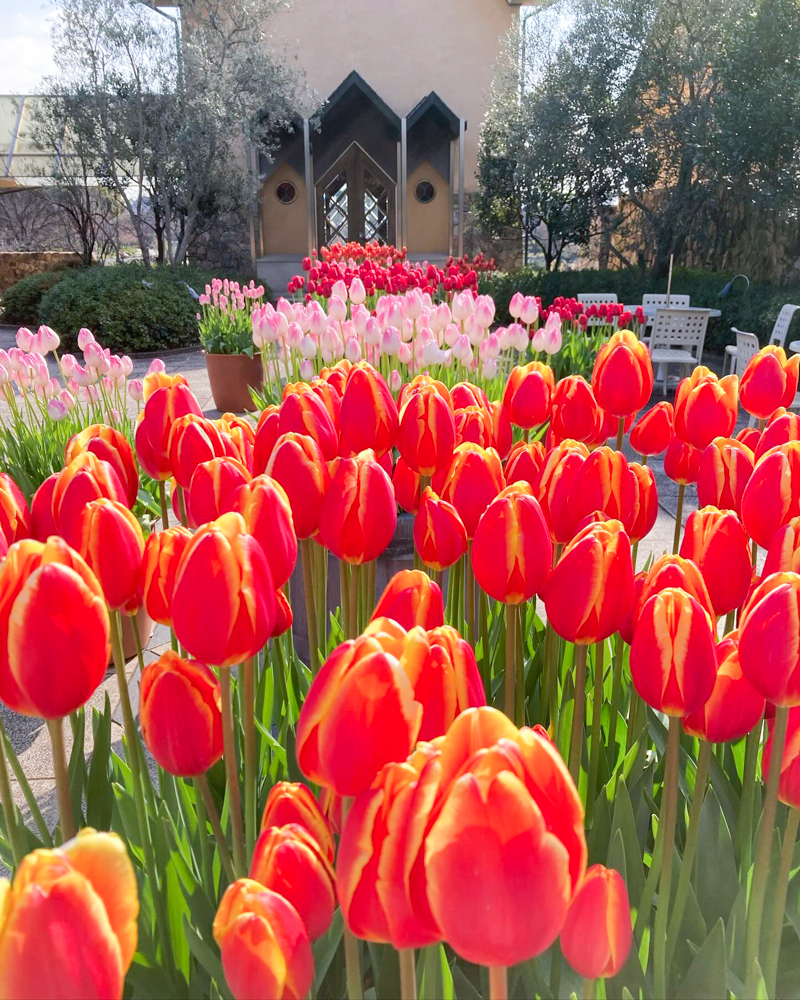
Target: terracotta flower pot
x,y
146,628
230,377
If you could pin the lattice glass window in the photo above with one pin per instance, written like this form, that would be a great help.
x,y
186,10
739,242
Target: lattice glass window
x,y
334,208
376,209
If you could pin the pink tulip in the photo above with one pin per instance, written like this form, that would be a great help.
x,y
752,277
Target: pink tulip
x,y
127,365
516,304
136,389
484,311
357,291
337,310
24,338
530,310
49,339
395,380
56,410
339,290
84,337
156,365
306,370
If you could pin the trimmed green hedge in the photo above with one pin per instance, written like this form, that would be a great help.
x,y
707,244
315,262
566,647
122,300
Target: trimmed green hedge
x,y
754,309
22,302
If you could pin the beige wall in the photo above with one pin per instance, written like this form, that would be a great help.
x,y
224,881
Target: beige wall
x,y
283,226
428,225
403,49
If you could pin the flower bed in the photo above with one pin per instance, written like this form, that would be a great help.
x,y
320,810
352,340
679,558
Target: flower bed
x,y
528,767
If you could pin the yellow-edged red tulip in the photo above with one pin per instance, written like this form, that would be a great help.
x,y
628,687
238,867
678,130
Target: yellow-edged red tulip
x,y
598,933
705,407
243,435
86,478
771,497
673,656
528,394
440,537
42,523
163,552
292,802
653,431
223,601
336,377
214,488
466,394
725,469
15,518
769,639
193,440
716,542
303,412
470,483
604,483
512,551
359,512
750,436
35,579
682,462
561,466
163,407
160,380
769,381
575,414
622,377
298,465
427,430
524,462
110,445
180,712
474,424
590,590
789,785
289,861
674,571
411,598
266,510
781,428
640,517
112,543
784,551
263,944
406,485
368,418
503,437
267,433
68,921
735,707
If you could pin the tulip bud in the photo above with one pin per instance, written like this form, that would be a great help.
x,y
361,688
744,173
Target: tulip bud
x,y
769,381
575,413
716,542
111,446
725,469
359,513
213,489
734,708
705,407
406,485
111,542
471,481
528,394
771,497
42,525
769,639
654,430
440,537
194,440
602,482
622,378
368,417
597,933
781,428
411,598
86,478
292,802
298,465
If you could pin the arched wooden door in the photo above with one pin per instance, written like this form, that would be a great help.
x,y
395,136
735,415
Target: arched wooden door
x,y
355,201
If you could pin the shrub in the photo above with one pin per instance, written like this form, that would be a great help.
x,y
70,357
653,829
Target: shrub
x,y
755,309
22,302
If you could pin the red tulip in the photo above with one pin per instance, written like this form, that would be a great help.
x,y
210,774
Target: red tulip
x,y
359,511
784,550
528,394
214,488
561,467
266,510
622,377
368,418
163,551
674,571
604,483
525,463
716,542
42,523
298,465
735,707
305,413
502,437
109,445
654,430
440,537
406,485
781,428
470,483
193,440
789,786
86,478
162,409
474,424
641,516
267,434
411,598
466,394
705,407
769,639
769,381
575,414
749,436
292,802
682,462
772,495
112,544
597,934
725,469
427,432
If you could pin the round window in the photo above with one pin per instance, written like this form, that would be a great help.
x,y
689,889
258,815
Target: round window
x,y
425,192
286,192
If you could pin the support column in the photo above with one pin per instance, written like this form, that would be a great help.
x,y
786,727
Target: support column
x,y
253,215
462,130
311,196
404,181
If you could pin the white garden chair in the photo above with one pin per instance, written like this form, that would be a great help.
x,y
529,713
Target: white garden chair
x,y
597,299
677,338
746,346
673,301
778,335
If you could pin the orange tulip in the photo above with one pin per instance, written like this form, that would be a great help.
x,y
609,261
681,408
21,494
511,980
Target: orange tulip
x,y
193,440
597,933
305,413
653,431
525,463
440,537
622,377
243,436
268,515
591,588
411,598
716,542
263,944
674,571
35,579
515,807
725,469
641,515
111,446
180,712
682,462
112,544
784,550
772,495
427,431
735,707
575,414
604,483
223,602
160,380
15,518
470,483
42,523
769,381
749,436
359,511
474,424
673,658
528,394
561,467
466,394
368,418
781,428
336,377
336,745
86,478
68,925
162,409
267,434
214,488
512,552
705,407
298,465
163,551
289,861
789,786
292,802
769,639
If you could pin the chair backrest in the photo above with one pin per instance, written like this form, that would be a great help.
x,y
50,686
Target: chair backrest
x,y
781,328
746,346
681,328
596,298
660,299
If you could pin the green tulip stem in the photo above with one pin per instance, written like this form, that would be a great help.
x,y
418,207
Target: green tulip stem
x,y
755,909
231,771
588,991
597,718
667,816
576,740
729,622
137,638
408,975
7,803
616,698
162,497
510,675
485,665
469,595
776,928
55,728
352,956
744,823
676,538
182,505
210,810
352,624
551,677
498,982
692,837
311,610
620,433
248,701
